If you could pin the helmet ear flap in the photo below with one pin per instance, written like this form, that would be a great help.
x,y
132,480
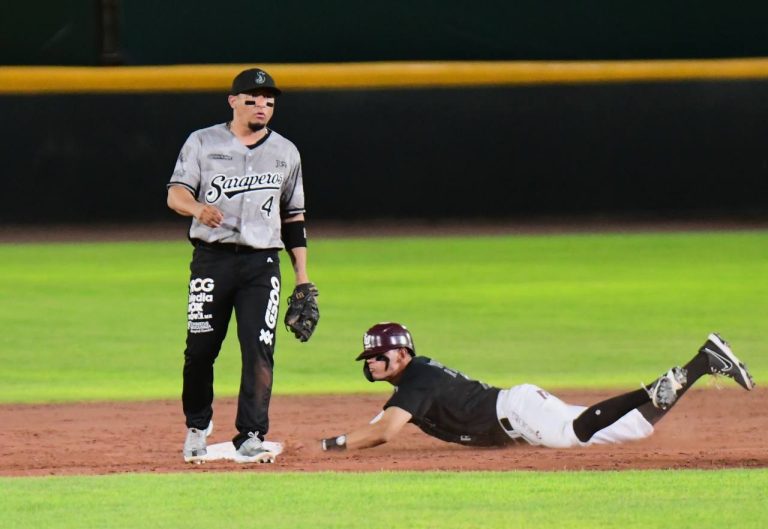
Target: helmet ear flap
x,y
367,372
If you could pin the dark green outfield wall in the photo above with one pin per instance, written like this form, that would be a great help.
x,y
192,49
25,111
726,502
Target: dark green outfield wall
x,y
692,148
49,32
245,31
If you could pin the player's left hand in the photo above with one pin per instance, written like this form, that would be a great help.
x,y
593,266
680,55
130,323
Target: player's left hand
x,y
303,313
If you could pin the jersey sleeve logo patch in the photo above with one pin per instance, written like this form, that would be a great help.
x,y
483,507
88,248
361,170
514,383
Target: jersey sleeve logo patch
x,y
231,186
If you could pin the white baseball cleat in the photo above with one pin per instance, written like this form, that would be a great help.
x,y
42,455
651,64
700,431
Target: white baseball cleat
x,y
254,451
195,445
663,392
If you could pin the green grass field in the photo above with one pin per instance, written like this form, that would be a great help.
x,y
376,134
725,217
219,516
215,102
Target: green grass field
x,y
681,499
107,321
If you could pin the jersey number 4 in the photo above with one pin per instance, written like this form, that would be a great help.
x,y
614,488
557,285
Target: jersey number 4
x,y
267,206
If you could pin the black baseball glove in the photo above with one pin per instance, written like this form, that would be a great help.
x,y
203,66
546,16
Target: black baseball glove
x,y
303,313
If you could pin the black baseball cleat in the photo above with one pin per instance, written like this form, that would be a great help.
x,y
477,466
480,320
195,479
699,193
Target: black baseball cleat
x,y
722,361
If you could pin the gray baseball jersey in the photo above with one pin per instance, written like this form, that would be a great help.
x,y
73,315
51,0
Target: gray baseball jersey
x,y
255,188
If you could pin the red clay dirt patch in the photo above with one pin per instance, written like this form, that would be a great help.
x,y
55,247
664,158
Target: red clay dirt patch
x,y
709,428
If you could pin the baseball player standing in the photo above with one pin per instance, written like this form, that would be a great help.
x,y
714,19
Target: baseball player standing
x,y
242,184
447,405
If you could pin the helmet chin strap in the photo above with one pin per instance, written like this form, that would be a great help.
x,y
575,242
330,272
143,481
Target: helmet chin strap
x,y
367,371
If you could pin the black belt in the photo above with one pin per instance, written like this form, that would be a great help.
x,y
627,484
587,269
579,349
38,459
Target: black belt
x,y
506,424
508,439
229,247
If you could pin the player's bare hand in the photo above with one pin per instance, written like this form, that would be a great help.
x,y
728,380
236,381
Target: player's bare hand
x,y
209,215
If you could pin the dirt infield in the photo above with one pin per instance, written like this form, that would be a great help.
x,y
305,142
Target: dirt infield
x,y
709,428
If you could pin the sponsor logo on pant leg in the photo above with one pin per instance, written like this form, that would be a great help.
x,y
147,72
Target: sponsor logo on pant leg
x,y
200,293
270,316
531,434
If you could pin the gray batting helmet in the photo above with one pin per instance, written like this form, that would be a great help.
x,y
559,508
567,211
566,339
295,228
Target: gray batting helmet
x,y
385,336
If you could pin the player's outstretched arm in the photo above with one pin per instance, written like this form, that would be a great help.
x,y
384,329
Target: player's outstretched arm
x,y
181,201
377,432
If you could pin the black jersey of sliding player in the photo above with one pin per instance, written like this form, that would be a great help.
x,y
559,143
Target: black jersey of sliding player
x,y
448,405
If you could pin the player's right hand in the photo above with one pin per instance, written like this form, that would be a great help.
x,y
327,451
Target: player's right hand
x,y
209,215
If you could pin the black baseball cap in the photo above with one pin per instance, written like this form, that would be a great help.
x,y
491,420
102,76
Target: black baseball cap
x,y
253,79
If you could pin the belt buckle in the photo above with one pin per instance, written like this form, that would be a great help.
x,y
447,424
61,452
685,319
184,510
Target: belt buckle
x,y
513,434
506,424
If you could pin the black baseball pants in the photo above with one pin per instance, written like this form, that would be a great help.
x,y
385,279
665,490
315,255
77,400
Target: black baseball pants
x,y
226,277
